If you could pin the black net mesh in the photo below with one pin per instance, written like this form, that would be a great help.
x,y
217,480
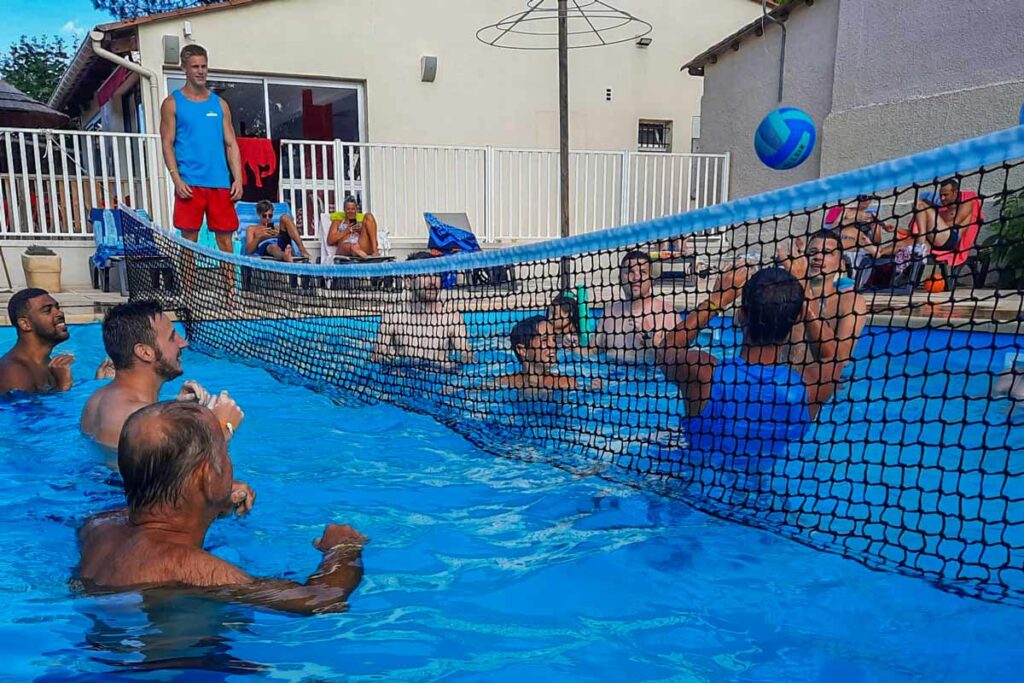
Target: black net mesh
x,y
844,374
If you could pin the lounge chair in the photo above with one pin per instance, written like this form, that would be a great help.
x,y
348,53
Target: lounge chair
x,y
329,254
248,216
147,257
951,263
109,254
450,233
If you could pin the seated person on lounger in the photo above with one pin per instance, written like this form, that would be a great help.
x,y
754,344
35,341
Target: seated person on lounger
x,y
939,225
353,237
859,228
424,329
275,241
754,403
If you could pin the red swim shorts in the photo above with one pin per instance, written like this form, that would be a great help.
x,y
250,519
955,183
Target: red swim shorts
x,y
212,202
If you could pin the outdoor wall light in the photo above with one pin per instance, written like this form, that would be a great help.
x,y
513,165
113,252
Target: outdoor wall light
x,y
428,68
645,41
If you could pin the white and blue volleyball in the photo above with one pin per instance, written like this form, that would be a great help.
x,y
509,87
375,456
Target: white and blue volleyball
x,y
785,138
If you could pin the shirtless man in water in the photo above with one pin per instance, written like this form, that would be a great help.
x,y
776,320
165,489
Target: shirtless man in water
x,y
177,481
628,326
844,311
425,329
146,350
534,344
40,324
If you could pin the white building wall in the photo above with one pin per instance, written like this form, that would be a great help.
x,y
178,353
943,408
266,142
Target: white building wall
x,y
482,95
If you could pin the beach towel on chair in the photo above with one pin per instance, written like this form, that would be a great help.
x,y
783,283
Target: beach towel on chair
x,y
447,239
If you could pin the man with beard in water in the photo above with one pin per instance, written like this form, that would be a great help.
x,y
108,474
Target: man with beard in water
x,y
40,325
177,474
145,348
426,331
628,327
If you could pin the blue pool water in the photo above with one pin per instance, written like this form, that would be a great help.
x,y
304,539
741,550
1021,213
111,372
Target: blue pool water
x,y
911,467
480,568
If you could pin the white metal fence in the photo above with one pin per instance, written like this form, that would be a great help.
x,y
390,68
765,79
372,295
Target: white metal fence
x,y
508,194
50,180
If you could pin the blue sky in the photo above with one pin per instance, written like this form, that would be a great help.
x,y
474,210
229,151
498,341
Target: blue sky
x,y
70,19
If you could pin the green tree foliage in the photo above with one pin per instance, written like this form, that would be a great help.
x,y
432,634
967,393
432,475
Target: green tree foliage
x,y
131,9
34,65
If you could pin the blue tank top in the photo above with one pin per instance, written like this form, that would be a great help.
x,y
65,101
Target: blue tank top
x,y
199,142
753,410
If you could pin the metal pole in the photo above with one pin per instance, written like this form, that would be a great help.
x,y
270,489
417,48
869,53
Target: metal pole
x,y
563,125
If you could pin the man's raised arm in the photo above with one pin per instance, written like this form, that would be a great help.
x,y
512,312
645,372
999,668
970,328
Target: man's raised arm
x,y
729,288
326,590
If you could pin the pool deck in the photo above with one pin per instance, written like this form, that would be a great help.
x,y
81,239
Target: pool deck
x,y
982,310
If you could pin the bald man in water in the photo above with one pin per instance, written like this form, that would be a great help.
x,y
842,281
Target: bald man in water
x,y
177,481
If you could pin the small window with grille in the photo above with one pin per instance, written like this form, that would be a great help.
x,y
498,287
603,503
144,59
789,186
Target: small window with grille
x,y
655,136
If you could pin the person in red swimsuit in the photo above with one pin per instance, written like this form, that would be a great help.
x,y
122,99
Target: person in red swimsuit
x,y
199,145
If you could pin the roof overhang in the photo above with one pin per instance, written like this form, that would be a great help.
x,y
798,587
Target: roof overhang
x,y
731,43
87,71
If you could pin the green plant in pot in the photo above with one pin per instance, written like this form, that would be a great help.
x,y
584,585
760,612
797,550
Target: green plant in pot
x,y
1003,250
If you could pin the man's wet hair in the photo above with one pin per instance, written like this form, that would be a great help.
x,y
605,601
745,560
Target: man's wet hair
x,y
634,255
772,303
826,235
192,51
160,447
262,206
17,306
950,182
420,255
126,325
523,332
569,306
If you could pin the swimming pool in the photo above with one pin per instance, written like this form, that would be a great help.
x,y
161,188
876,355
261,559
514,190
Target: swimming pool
x,y
480,568
908,468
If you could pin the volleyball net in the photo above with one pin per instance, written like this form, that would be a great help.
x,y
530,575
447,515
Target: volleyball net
x,y
838,361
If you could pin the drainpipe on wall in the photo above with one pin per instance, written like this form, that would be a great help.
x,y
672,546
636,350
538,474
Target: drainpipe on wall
x,y
154,102
156,167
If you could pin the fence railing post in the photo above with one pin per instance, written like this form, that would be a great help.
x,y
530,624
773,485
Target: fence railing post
x,y
489,194
624,204
338,163
725,179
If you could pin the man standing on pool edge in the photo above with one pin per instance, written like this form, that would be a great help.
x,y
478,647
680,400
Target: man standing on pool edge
x,y
199,145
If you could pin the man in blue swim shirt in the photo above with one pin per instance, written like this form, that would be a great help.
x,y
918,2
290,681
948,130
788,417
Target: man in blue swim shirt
x,y
754,403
